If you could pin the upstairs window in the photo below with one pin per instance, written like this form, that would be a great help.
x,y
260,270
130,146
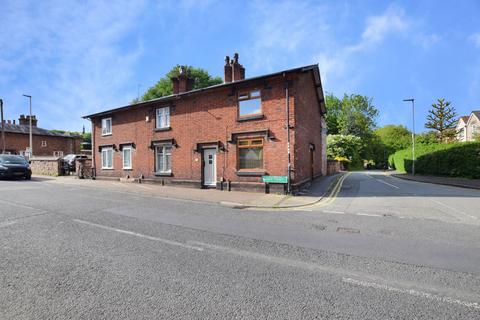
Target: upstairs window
x,y
249,103
106,126
250,153
163,118
44,143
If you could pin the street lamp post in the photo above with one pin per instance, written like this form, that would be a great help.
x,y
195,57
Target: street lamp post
x,y
413,132
31,144
3,127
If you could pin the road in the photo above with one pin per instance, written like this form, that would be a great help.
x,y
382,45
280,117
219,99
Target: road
x,y
384,248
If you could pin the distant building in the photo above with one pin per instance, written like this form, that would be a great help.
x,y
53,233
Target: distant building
x,y
44,142
468,127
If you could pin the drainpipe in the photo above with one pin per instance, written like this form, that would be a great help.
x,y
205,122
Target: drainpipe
x,y
287,126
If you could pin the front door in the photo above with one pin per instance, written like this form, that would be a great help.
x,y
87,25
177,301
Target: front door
x,y
210,167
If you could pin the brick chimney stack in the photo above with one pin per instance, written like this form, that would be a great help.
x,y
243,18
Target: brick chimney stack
x,y
233,71
25,120
182,83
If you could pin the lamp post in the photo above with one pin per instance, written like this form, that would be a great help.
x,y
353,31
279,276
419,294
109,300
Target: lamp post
x,y
31,144
3,127
413,132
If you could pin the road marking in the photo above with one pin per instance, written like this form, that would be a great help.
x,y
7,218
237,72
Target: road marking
x,y
6,224
347,276
22,206
412,292
333,211
369,215
454,209
388,184
335,191
131,233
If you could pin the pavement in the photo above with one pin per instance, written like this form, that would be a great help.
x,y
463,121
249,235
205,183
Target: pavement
x,y
448,181
318,189
377,247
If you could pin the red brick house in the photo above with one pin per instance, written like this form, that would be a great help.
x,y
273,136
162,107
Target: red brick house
x,y
226,136
44,142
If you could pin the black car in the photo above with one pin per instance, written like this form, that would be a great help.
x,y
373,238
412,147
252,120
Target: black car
x,y
14,167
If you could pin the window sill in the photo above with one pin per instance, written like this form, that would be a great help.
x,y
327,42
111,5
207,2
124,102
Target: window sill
x,y
127,169
162,129
108,169
163,174
106,135
251,173
251,117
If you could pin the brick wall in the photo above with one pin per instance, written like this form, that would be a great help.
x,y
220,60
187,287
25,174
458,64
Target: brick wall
x,y
50,166
16,142
212,116
308,131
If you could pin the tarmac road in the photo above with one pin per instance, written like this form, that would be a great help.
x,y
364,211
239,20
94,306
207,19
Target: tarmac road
x,y
384,248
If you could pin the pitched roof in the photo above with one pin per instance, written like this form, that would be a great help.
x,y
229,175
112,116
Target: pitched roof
x,y
464,118
313,67
477,113
25,129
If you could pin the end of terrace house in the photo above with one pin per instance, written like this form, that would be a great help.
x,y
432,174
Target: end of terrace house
x,y
231,136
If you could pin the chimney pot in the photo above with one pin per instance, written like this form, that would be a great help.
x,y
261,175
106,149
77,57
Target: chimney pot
x,y
9,121
238,71
13,121
182,83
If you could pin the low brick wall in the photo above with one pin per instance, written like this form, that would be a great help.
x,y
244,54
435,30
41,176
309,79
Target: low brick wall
x,y
83,168
333,167
49,166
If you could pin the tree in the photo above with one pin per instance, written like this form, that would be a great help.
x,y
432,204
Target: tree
x,y
443,119
344,148
394,137
334,112
164,86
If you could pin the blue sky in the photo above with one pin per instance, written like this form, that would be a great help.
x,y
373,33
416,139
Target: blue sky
x,y
77,58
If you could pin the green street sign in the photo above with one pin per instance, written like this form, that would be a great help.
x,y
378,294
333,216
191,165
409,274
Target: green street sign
x,y
275,179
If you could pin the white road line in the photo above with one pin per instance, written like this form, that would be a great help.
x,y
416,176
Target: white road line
x,y
6,224
369,215
332,211
131,233
412,292
454,209
388,184
347,276
22,206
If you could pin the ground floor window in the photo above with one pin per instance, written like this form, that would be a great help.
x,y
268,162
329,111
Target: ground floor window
x,y
250,153
107,158
58,153
127,157
163,158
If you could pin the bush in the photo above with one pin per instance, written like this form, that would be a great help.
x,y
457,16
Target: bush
x,y
453,159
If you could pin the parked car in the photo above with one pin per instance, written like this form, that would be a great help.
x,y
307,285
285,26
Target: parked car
x,y
70,160
12,166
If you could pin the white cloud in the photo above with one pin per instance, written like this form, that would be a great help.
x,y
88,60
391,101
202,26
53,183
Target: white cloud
x,y
475,39
390,21
78,46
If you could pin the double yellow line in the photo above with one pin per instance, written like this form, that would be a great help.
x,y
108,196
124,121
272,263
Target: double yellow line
x,y
329,199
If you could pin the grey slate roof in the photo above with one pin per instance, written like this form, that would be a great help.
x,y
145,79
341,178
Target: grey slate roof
x,y
313,67
25,129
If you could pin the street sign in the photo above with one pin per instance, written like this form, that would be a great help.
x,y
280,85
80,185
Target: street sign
x,y
275,179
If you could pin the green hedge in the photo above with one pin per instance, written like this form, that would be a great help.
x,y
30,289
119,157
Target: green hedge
x,y
453,159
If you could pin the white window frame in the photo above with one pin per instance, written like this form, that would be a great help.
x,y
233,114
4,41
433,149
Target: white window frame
x,y
163,148
105,164
44,143
163,118
106,132
129,148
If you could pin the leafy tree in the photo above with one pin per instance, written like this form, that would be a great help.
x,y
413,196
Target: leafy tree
x,y
348,147
334,112
358,116
429,137
164,86
394,137
443,119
